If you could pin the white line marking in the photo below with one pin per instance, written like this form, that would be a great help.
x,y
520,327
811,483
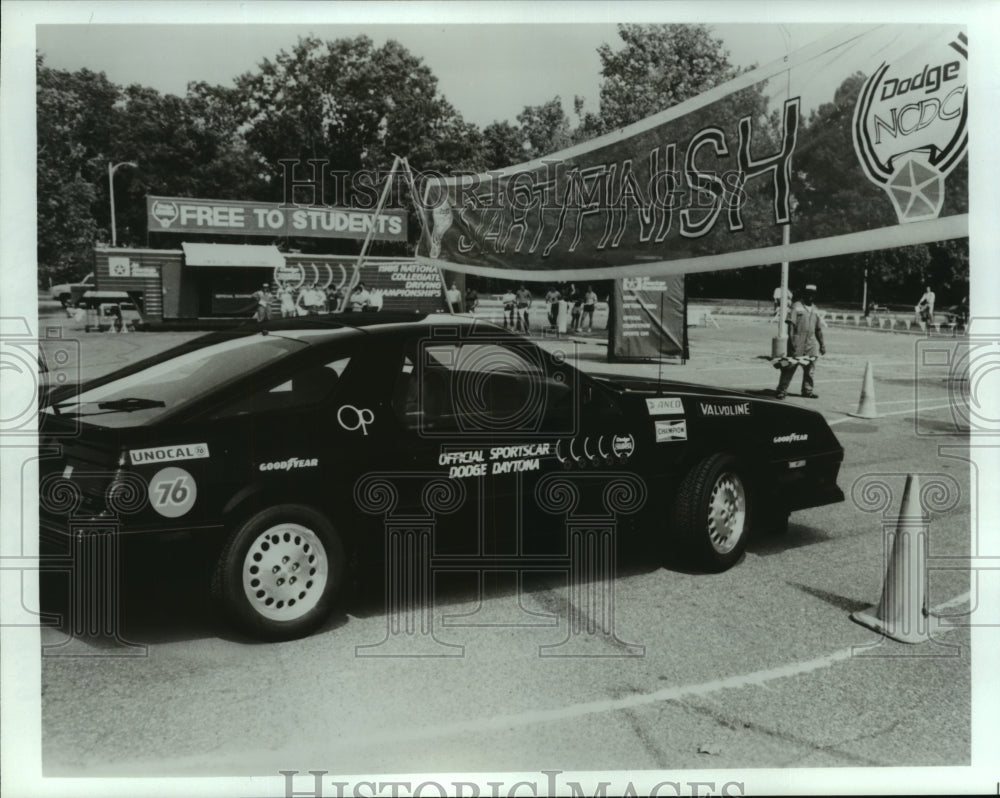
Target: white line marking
x,y
890,413
953,601
502,722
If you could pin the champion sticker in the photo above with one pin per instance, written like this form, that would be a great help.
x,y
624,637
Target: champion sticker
x,y
163,454
665,406
671,430
172,492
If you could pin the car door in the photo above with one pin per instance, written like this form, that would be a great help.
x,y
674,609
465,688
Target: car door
x,y
486,413
299,433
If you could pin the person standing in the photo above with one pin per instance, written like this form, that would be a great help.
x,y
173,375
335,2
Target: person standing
x,y
287,300
552,300
471,300
523,304
454,297
805,344
576,312
925,307
509,301
263,298
589,303
777,300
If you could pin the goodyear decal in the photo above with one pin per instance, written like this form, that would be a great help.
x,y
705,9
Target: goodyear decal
x,y
791,437
163,454
289,464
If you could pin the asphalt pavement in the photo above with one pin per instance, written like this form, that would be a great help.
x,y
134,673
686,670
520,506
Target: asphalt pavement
x,y
758,667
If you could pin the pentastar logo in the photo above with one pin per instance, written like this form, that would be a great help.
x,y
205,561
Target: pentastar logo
x,y
910,125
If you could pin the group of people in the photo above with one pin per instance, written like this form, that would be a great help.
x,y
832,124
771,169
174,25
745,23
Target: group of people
x,y
308,299
454,297
581,304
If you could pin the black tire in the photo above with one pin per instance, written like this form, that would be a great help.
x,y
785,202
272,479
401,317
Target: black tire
x,y
712,513
279,574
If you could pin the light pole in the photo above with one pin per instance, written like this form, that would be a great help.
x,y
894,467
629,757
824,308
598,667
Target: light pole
x,y
111,193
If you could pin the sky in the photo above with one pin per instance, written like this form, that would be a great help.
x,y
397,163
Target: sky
x,y
488,71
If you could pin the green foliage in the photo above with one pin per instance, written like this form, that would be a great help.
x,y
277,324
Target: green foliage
x,y
658,67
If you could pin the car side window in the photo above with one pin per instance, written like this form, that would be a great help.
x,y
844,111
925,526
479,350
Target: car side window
x,y
307,387
474,387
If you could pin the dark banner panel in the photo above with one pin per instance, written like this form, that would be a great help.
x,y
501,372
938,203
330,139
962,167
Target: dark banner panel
x,y
648,319
857,141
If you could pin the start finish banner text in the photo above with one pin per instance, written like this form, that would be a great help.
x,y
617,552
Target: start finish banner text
x,y
855,143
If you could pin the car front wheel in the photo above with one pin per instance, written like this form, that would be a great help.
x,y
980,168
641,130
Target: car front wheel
x,y
712,512
280,572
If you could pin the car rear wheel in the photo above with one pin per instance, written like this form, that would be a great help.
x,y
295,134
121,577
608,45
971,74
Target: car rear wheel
x,y
279,574
713,511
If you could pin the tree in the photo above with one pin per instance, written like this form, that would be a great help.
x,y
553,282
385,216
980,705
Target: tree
x,y
354,105
545,128
503,145
659,66
73,127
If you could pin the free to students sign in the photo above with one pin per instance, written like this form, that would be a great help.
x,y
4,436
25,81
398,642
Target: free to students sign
x,y
186,215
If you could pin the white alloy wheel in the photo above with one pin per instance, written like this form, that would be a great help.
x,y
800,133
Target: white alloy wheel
x,y
285,572
727,512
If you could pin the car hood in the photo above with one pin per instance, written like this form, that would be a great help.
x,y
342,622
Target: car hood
x,y
628,384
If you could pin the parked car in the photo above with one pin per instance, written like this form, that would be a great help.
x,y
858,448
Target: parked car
x,y
254,442
64,292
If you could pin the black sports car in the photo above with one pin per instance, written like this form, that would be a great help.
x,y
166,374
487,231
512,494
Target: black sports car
x,y
260,443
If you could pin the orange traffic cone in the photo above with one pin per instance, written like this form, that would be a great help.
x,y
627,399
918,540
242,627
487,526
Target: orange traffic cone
x,y
866,404
902,611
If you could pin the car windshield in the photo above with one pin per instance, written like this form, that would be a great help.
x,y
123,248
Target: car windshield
x,y
164,387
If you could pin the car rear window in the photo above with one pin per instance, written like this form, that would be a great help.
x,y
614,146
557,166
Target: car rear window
x,y
146,395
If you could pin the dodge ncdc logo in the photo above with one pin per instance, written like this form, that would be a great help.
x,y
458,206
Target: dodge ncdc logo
x,y
910,126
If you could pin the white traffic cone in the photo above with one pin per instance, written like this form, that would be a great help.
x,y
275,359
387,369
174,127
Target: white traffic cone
x,y
902,611
866,404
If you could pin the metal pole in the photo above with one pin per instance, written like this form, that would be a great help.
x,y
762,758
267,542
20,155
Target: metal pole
x,y
111,193
779,344
864,293
112,168
378,210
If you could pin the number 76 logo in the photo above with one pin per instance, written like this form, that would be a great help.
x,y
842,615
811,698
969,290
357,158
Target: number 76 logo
x,y
172,492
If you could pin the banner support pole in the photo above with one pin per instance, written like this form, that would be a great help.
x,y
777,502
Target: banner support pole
x,y
420,215
352,283
779,344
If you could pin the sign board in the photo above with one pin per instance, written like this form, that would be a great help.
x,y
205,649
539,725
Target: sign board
x,y
648,319
231,217
858,141
123,266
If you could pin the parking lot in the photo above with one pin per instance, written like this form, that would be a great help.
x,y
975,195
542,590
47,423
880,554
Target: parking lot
x,y
757,667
